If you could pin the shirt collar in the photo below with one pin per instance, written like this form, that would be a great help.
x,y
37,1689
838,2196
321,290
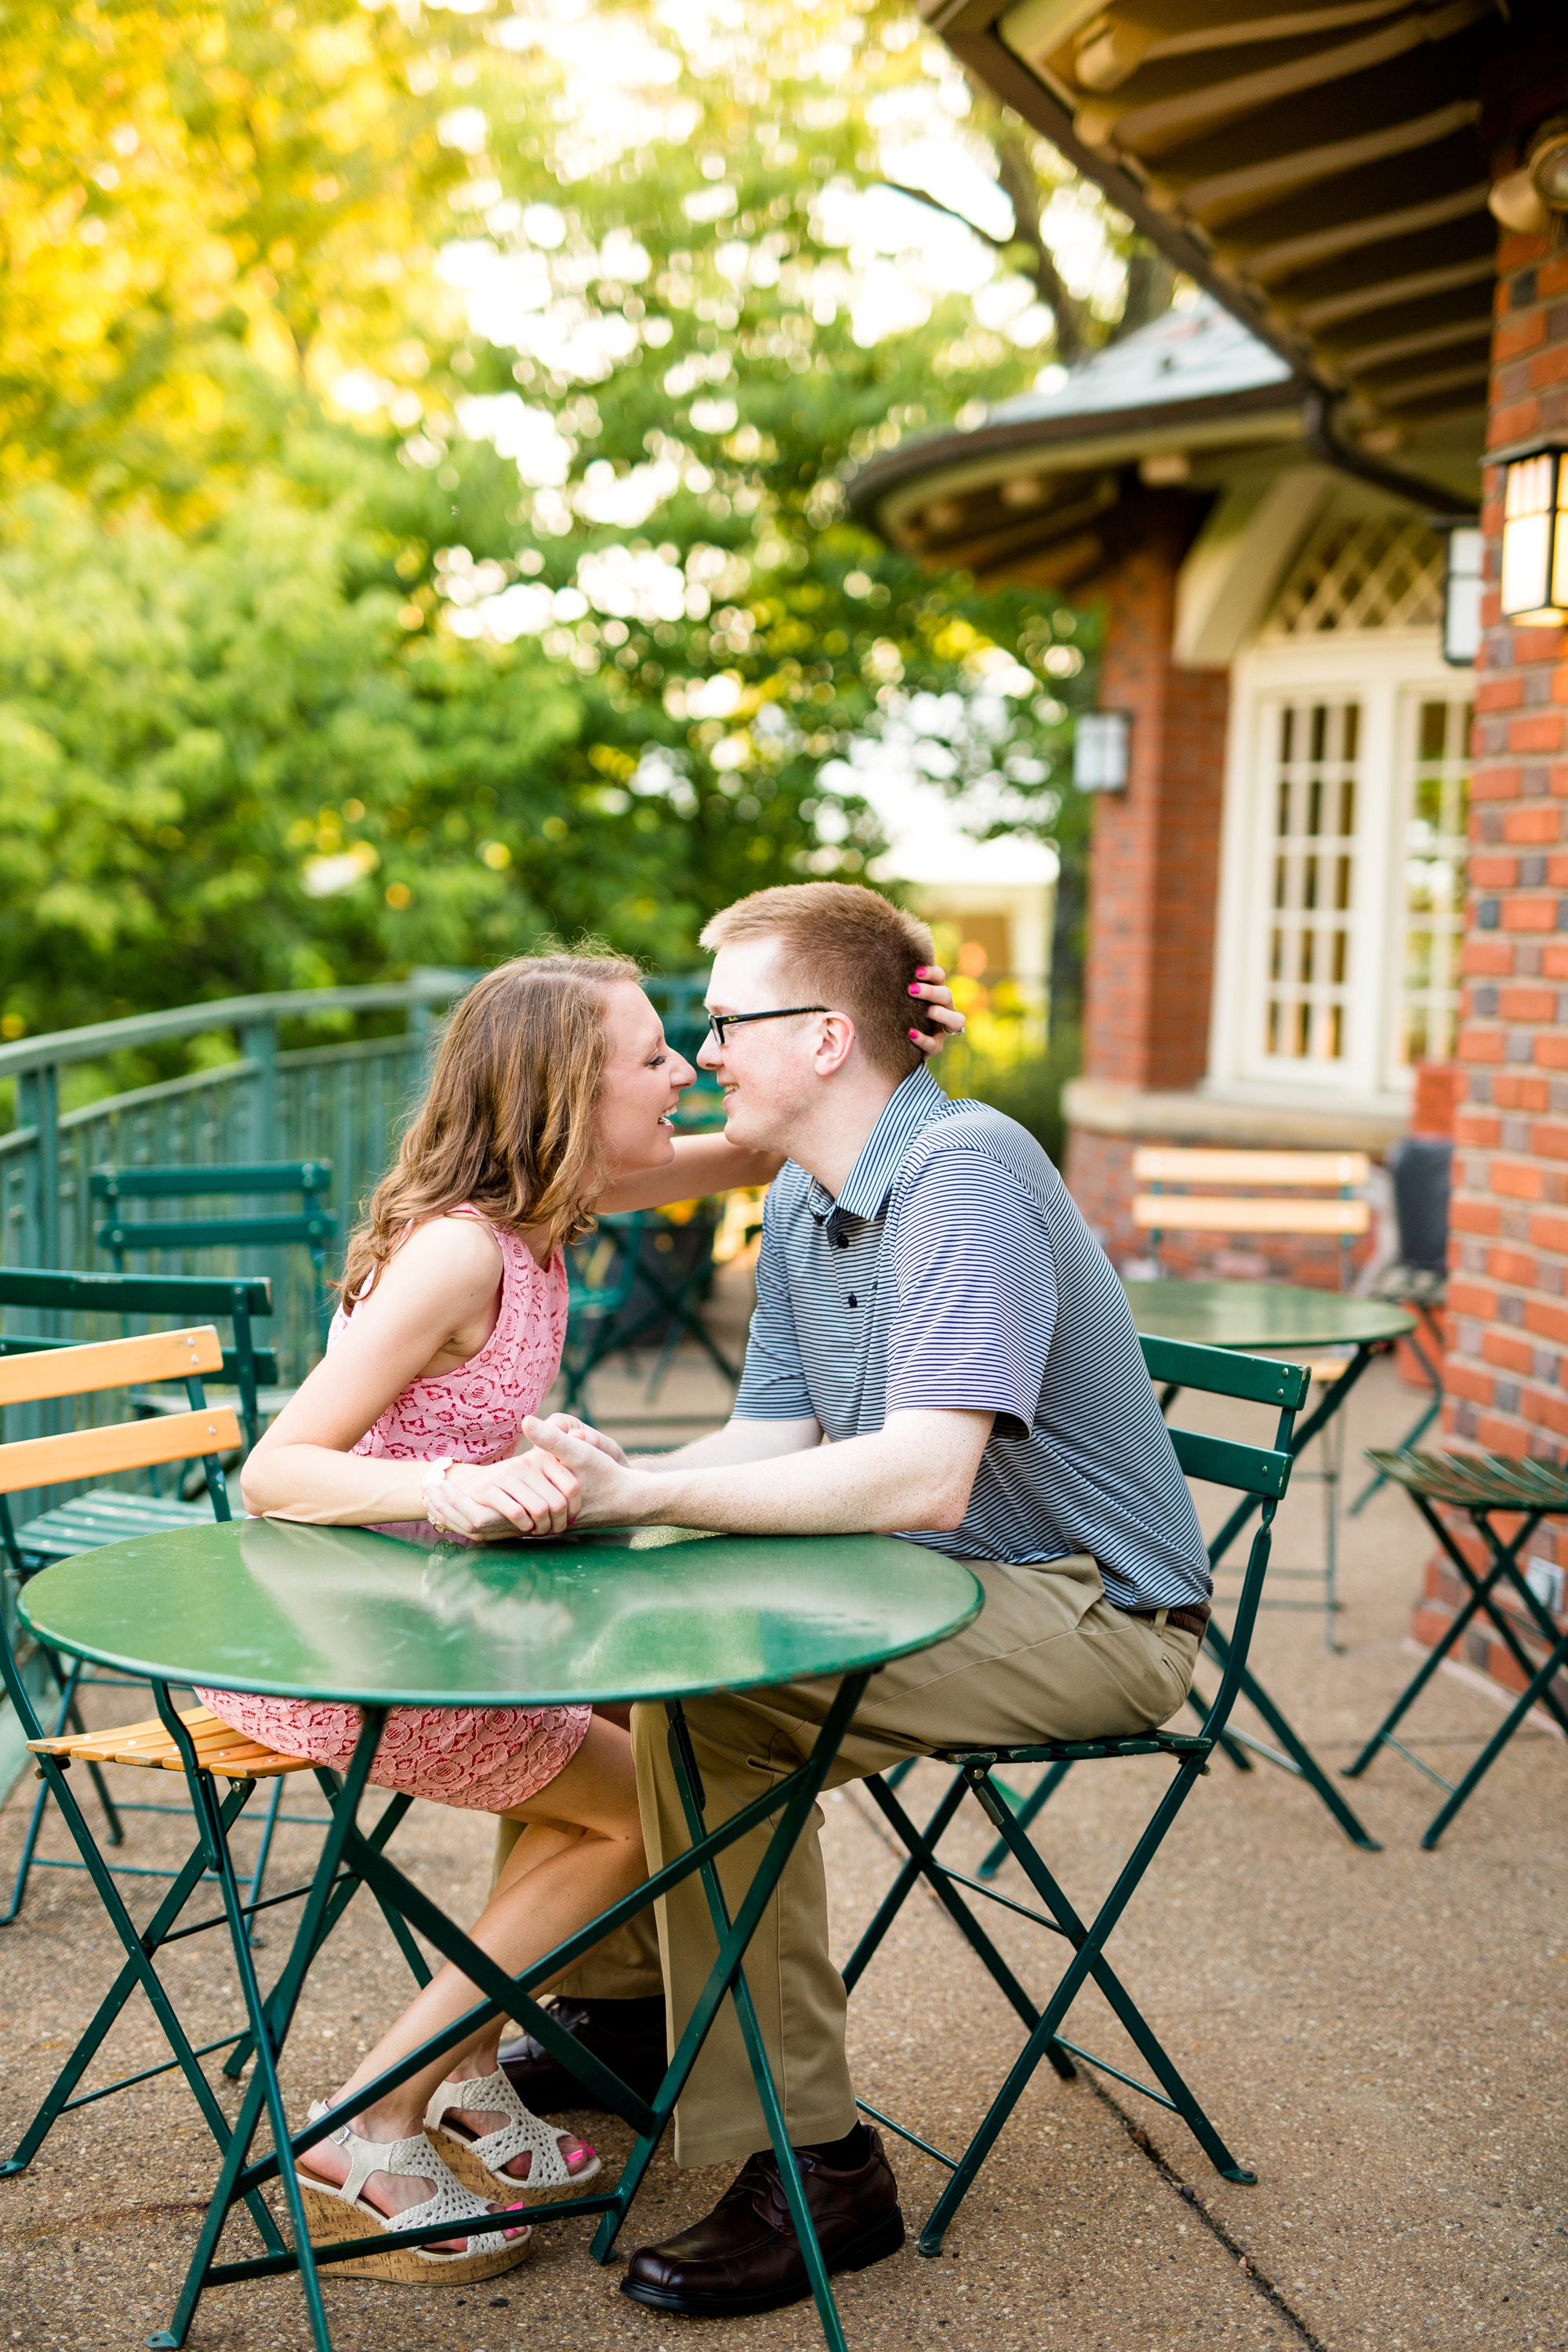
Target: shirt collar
x,y
910,1107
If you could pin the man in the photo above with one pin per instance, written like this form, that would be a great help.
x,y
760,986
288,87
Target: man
x,y
931,1300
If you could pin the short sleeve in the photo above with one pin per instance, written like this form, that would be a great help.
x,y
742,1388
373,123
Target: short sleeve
x,y
976,1292
772,1384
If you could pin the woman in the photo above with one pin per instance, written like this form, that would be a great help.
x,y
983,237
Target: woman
x,y
552,1096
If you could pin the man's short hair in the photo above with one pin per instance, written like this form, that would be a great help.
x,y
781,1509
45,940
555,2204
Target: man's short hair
x,y
843,947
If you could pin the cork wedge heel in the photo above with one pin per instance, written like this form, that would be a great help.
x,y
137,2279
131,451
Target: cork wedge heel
x,y
479,2159
336,2214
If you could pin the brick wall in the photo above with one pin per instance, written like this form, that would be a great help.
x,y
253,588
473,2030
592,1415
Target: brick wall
x,y
1155,863
1508,1366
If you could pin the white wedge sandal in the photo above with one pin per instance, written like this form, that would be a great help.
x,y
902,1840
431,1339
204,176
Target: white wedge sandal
x,y
479,2159
334,2214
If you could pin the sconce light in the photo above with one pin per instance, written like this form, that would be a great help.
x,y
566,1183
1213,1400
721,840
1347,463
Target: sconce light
x,y
1100,744
1535,539
1534,198
1461,591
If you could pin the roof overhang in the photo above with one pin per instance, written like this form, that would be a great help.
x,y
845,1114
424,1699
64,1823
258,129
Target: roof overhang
x,y
1021,488
1320,167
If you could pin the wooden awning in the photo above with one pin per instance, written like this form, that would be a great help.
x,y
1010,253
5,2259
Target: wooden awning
x,y
1322,166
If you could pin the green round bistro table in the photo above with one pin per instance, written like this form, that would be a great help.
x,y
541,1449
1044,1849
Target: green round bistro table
x,y
1279,1319
1265,1318
652,1615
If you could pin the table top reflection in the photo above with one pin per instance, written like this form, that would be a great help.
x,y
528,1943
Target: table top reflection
x,y
1262,1315
299,1612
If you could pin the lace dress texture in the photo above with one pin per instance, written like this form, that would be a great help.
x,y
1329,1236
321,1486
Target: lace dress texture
x,y
486,1758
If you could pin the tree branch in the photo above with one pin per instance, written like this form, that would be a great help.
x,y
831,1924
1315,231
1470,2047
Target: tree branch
x,y
1022,189
1021,186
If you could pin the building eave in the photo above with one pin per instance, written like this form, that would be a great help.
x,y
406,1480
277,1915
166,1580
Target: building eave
x,y
1306,167
887,493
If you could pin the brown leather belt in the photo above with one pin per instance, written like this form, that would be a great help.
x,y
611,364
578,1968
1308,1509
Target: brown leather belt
x,y
1186,1621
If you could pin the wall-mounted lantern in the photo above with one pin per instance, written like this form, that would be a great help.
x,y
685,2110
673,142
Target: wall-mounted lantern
x,y
1101,741
1461,591
1535,577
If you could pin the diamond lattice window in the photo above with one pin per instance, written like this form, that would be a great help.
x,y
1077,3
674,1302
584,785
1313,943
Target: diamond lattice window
x,y
1363,574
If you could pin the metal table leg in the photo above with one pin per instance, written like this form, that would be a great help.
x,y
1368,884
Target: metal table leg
x,y
346,1850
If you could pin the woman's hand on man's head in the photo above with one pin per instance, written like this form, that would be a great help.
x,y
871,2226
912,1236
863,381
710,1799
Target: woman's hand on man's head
x,y
930,986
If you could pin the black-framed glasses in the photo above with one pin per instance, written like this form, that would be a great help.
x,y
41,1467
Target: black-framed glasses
x,y
719,1021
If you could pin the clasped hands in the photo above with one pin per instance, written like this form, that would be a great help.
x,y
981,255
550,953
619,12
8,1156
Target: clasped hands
x,y
573,1475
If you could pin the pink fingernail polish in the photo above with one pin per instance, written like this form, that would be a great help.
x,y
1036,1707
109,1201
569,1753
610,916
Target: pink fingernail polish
x,y
914,1036
914,990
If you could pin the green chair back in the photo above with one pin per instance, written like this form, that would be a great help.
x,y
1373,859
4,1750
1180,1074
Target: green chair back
x,y
238,1301
313,1225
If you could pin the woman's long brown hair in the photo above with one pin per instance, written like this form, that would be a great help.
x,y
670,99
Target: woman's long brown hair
x,y
508,1124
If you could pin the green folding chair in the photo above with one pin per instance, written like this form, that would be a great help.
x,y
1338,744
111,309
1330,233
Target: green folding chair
x,y
1483,1486
239,1301
1261,1472
675,1274
37,1374
218,1753
27,1464
312,1224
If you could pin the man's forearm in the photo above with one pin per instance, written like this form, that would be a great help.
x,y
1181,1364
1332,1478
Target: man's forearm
x,y
876,1484
737,1442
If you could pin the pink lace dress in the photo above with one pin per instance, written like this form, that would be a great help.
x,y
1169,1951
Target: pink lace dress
x,y
487,1758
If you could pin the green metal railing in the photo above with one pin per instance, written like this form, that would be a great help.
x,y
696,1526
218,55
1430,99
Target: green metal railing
x,y
342,1102
345,1102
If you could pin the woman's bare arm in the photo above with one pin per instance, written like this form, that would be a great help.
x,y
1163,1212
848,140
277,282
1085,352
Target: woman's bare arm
x,y
702,1164
437,1290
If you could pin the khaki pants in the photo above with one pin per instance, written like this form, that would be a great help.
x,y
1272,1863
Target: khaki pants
x,y
1047,1658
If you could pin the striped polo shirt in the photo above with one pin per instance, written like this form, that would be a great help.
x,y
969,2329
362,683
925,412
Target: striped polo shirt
x,y
954,1270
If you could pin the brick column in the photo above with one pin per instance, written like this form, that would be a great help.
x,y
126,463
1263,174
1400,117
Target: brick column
x,y
1509,1285
1154,869
1154,863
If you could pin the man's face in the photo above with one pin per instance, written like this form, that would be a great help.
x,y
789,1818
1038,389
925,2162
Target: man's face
x,y
767,1068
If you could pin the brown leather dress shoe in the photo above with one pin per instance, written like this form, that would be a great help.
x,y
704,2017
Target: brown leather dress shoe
x,y
745,2257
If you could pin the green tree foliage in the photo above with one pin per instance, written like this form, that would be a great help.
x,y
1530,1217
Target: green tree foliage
x,y
426,450
203,201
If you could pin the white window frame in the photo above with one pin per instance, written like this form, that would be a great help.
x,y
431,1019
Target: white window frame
x,y
1389,672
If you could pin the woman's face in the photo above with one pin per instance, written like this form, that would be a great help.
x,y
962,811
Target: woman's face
x,y
642,1083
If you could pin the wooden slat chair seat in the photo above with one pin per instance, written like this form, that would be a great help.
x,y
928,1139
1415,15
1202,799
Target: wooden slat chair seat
x,y
1481,1486
219,1748
1262,1472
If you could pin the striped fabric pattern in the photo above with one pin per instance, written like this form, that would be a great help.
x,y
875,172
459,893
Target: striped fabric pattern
x,y
954,1270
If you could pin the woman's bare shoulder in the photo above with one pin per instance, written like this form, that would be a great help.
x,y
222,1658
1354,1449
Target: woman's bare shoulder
x,y
460,1253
